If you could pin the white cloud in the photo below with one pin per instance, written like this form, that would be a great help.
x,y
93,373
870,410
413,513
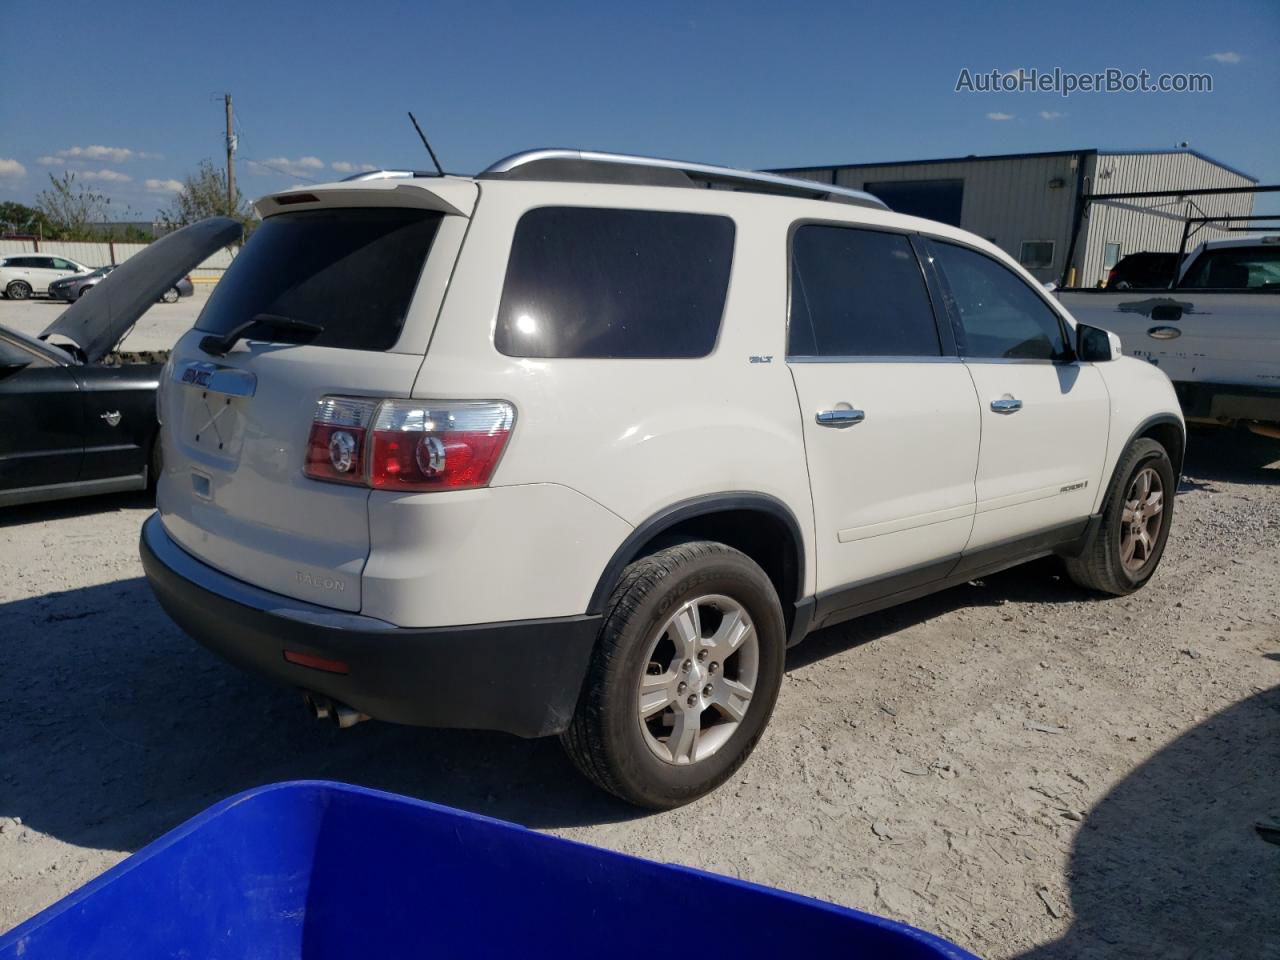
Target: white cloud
x,y
11,169
98,152
295,168
1050,114
50,161
163,186
103,176
999,116
1227,56
342,166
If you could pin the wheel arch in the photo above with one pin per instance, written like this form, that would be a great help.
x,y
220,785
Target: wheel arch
x,y
1168,431
755,523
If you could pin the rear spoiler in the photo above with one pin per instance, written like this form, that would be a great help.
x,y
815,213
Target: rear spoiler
x,y
449,195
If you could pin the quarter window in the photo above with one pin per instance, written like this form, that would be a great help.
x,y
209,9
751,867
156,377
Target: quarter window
x,y
858,293
1000,315
607,283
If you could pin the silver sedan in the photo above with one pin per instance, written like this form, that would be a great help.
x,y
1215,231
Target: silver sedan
x,y
73,288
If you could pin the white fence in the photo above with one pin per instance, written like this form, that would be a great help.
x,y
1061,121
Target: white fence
x,y
104,254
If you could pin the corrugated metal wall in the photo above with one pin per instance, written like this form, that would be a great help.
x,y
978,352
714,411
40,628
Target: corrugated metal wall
x,y
100,254
1008,201
1137,231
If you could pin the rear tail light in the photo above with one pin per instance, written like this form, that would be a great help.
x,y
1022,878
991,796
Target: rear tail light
x,y
335,449
408,444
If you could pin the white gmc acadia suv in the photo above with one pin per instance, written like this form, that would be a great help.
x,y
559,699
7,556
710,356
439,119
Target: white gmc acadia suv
x,y
571,448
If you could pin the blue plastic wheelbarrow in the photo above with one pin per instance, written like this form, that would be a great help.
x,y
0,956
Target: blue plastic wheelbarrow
x,y
317,870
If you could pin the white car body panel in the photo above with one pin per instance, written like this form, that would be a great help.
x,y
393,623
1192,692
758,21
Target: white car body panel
x,y
871,520
600,446
1039,467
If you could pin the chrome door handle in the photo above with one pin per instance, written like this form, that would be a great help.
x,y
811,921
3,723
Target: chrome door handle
x,y
1006,404
840,418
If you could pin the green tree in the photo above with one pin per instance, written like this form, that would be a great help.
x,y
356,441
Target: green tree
x,y
19,218
71,209
204,194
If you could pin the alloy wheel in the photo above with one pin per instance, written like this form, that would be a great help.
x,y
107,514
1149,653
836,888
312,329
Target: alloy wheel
x,y
1140,519
700,674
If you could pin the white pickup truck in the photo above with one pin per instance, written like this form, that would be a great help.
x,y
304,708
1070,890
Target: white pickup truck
x,y
1215,332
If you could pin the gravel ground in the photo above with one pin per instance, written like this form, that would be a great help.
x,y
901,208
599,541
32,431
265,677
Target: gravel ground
x,y
1020,767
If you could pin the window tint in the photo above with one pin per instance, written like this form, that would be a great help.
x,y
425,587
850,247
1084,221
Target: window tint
x,y
858,293
1000,314
589,282
351,270
1236,268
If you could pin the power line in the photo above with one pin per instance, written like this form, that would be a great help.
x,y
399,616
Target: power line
x,y
283,173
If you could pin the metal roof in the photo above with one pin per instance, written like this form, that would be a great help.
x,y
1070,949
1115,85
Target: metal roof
x,y
974,158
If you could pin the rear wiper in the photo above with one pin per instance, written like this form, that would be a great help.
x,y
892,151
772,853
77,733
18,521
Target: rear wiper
x,y
218,346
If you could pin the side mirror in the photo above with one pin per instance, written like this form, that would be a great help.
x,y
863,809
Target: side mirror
x,y
1095,345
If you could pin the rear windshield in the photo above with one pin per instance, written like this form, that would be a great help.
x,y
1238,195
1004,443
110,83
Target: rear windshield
x,y
352,271
594,282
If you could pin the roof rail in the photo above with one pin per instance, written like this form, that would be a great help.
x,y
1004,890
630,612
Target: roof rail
x,y
387,175
592,167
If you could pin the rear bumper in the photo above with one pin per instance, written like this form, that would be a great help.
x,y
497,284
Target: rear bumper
x,y
520,677
1228,401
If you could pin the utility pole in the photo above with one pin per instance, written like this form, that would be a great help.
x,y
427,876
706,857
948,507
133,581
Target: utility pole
x,y
231,149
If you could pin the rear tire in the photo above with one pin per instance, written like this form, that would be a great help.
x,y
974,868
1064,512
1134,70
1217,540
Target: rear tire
x,y
170,296
1124,551
684,676
18,290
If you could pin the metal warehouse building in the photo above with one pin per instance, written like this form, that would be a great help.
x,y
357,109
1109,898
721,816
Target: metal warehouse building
x,y
1029,203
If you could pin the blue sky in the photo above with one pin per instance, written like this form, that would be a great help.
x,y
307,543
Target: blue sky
x,y
129,95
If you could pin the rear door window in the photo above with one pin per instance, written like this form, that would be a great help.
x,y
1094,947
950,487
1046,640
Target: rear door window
x,y
353,271
858,293
596,282
1236,268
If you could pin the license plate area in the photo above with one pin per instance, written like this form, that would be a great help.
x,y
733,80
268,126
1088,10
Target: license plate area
x,y
214,407
214,424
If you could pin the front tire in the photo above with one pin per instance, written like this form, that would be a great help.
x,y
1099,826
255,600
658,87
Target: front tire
x,y
1125,550
170,295
684,676
18,290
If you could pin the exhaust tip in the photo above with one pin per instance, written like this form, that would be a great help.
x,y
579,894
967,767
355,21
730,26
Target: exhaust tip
x,y
320,708
345,716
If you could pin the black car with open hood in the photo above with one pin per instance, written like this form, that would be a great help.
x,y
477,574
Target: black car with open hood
x,y
76,416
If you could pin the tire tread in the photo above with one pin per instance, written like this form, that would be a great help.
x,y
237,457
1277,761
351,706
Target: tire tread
x,y
584,739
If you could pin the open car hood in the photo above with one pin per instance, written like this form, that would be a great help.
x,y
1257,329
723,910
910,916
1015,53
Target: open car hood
x,y
98,322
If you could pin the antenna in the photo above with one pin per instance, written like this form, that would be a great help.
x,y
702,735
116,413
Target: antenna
x,y
439,169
